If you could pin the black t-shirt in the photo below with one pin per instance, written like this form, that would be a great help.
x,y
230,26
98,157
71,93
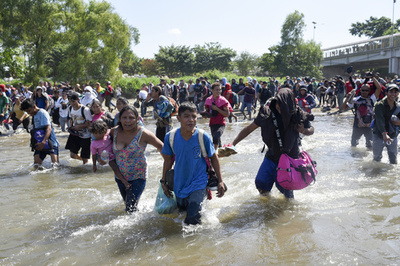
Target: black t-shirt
x,y
174,91
235,87
265,94
182,93
268,134
198,89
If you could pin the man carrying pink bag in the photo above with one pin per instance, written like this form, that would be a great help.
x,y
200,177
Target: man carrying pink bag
x,y
281,123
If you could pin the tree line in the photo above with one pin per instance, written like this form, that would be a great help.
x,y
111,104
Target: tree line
x,y
79,41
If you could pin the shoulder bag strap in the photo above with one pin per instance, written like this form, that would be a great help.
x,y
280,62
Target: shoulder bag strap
x,y
278,133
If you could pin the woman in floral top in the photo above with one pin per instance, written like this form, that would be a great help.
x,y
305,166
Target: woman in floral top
x,y
129,143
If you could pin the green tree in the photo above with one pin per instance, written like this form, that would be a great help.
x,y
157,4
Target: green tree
x,y
11,60
54,58
130,63
67,39
292,29
34,26
212,56
96,38
175,60
374,27
311,55
294,56
266,62
150,67
245,62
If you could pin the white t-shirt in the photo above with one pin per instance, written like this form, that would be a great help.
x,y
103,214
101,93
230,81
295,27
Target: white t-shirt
x,y
191,90
27,94
58,104
77,119
167,90
142,95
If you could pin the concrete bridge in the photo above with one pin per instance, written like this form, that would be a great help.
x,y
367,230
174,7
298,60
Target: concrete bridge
x,y
377,53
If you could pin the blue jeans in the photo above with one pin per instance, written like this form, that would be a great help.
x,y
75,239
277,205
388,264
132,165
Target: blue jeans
x,y
200,106
266,177
377,149
131,196
248,105
192,206
358,132
143,108
63,122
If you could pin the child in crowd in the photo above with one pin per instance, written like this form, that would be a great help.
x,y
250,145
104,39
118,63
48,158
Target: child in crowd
x,y
102,145
101,149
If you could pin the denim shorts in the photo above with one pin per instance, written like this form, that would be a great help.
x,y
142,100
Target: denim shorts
x,y
216,132
244,105
43,154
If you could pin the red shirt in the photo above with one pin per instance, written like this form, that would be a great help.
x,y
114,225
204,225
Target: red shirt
x,y
228,93
348,86
109,90
221,102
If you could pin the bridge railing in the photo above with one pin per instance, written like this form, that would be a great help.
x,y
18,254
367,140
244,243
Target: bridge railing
x,y
374,44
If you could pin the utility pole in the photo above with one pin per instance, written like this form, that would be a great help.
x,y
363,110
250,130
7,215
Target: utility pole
x,y
392,43
393,62
315,23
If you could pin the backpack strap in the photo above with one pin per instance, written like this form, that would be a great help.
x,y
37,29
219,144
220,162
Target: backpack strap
x,y
201,142
203,150
82,111
396,111
172,139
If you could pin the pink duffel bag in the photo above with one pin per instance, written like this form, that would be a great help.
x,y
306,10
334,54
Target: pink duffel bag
x,y
295,174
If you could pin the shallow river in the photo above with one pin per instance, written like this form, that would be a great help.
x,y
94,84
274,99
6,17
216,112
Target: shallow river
x,y
350,216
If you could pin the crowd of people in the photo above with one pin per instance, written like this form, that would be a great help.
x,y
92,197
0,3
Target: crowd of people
x,y
121,140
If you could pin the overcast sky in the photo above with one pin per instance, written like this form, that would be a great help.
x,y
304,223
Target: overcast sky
x,y
251,25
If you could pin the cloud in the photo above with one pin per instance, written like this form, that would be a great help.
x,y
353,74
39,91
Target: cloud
x,y
175,31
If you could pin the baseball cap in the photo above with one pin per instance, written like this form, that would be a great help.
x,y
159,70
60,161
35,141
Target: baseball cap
x,y
393,87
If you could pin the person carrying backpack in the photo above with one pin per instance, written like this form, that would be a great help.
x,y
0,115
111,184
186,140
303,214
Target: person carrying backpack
x,y
363,114
80,119
43,139
162,110
190,171
109,94
218,108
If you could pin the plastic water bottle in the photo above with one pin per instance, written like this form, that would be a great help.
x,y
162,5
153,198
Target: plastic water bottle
x,y
394,118
104,155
